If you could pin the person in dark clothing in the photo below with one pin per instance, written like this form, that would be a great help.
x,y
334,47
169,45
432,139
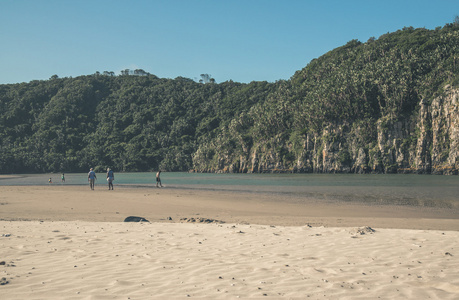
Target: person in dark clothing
x,y
158,180
110,178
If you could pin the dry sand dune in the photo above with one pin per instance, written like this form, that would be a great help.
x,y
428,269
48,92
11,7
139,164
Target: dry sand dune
x,y
98,260
71,244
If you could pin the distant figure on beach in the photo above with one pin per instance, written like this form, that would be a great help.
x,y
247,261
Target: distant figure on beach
x,y
50,180
110,178
158,179
91,178
63,177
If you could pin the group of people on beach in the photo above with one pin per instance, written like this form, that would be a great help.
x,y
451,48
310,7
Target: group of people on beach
x,y
92,178
50,180
111,177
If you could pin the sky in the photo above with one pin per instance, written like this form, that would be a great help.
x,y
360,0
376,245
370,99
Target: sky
x,y
239,40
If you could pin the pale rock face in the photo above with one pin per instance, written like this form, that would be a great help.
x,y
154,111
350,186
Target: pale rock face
x,y
361,161
423,159
445,133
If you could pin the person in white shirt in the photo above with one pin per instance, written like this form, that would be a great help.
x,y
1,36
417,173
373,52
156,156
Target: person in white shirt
x,y
91,178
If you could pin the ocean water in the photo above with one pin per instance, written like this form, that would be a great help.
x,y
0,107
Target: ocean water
x,y
400,189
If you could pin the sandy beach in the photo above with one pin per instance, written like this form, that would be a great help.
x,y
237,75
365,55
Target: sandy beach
x,y
67,242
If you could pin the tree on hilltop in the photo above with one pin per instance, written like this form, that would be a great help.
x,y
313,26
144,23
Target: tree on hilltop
x,y
206,78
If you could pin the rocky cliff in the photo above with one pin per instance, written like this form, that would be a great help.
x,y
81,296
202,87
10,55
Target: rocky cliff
x,y
426,142
444,135
388,105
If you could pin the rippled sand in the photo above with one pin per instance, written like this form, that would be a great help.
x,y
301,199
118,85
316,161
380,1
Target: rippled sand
x,y
70,243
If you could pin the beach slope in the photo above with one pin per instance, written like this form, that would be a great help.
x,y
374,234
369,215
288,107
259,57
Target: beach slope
x,y
71,243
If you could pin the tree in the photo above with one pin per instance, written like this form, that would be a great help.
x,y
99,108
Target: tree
x,y
140,72
206,78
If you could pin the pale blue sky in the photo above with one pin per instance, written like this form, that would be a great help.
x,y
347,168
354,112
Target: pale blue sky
x,y
250,40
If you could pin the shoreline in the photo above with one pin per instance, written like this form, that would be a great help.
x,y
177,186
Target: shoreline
x,y
75,202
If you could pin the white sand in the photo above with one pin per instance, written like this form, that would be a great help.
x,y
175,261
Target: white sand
x,y
67,242
111,260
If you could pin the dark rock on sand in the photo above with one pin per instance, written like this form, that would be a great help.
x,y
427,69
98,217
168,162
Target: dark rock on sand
x,y
200,220
365,230
135,219
362,230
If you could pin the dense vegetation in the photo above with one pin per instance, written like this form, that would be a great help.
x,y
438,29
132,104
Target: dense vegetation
x,y
353,86
130,123
140,123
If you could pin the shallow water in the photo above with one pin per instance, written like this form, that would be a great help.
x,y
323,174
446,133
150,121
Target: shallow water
x,y
416,190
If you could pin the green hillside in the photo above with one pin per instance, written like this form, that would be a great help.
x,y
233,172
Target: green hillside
x,y
131,123
336,114
386,105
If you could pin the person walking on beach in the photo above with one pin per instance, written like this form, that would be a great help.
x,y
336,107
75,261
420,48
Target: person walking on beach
x,y
110,178
91,178
63,177
158,179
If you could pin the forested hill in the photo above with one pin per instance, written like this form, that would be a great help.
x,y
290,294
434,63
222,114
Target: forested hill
x,y
387,105
129,123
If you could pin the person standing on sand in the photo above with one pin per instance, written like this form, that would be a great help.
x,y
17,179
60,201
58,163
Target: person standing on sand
x,y
91,178
158,180
63,177
110,178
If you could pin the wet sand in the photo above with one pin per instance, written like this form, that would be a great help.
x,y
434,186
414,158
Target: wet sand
x,y
70,203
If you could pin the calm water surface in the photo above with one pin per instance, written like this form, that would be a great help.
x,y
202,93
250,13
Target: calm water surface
x,y
418,190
